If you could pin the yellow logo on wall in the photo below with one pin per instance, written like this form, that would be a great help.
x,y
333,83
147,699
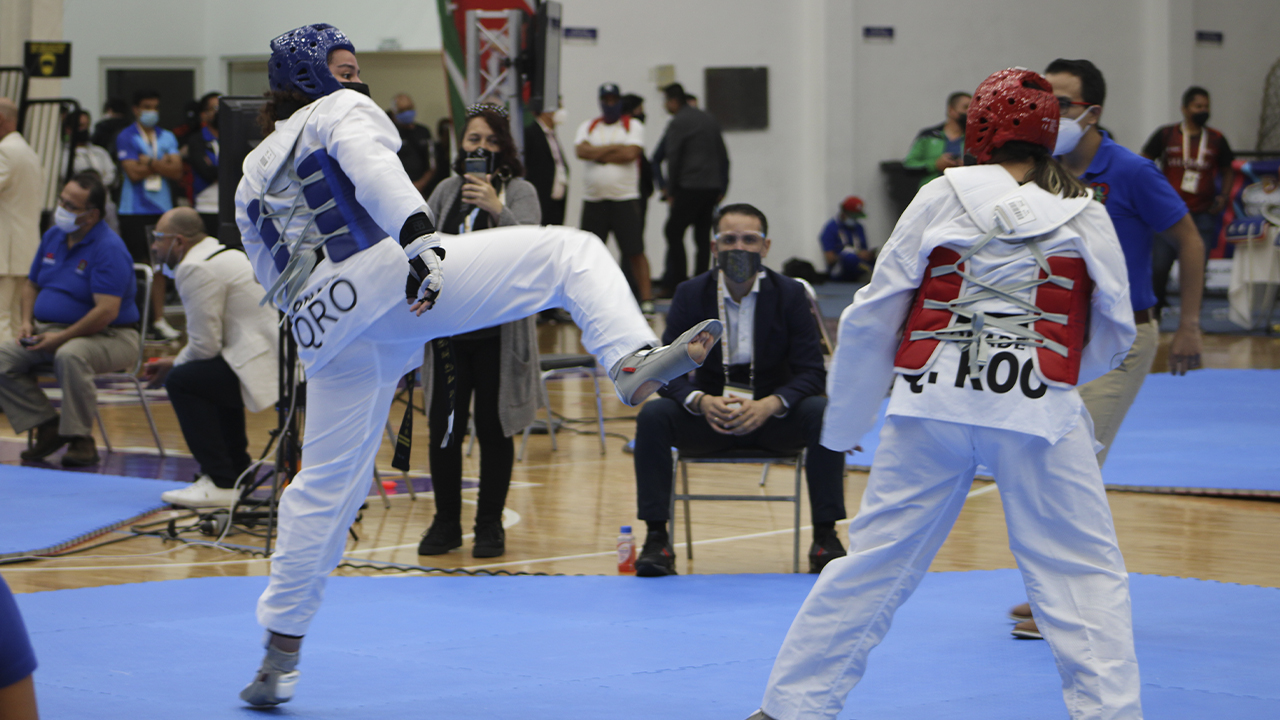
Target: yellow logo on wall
x,y
48,59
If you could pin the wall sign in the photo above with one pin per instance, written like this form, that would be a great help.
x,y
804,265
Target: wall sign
x,y
1209,37
581,35
873,33
47,59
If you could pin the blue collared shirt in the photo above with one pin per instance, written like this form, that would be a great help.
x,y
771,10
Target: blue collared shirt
x,y
1140,202
68,278
135,198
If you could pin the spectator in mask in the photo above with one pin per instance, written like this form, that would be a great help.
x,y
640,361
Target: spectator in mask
x,y
844,243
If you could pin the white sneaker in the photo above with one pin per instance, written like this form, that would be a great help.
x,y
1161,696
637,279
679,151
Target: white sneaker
x,y
165,330
200,494
275,680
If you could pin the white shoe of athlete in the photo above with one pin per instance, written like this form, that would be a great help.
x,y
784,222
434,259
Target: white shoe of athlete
x,y
275,680
640,374
201,494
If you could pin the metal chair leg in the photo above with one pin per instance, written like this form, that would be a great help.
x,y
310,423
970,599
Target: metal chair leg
x,y
377,482
105,439
599,410
795,559
688,519
146,409
764,474
671,513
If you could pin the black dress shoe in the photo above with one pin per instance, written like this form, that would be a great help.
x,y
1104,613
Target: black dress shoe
x,y
657,559
443,536
81,453
47,441
825,548
491,540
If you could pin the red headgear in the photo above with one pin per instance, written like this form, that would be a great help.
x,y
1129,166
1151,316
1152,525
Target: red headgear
x,y
852,205
1013,104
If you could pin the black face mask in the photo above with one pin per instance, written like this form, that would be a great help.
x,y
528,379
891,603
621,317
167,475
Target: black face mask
x,y
738,265
358,87
638,116
964,117
80,137
1200,118
214,122
611,112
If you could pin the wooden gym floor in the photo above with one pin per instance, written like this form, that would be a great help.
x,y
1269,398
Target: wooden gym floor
x,y
565,508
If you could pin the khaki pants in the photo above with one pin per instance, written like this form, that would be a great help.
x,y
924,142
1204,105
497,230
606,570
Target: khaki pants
x,y
75,364
1108,398
11,305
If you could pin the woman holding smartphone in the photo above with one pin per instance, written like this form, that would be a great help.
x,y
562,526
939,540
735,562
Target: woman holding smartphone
x,y
498,364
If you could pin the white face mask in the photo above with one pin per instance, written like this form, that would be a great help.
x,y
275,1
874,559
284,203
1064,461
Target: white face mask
x,y
65,220
560,116
1069,134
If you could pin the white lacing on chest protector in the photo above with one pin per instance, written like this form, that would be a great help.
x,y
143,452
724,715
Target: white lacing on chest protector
x,y
978,337
293,278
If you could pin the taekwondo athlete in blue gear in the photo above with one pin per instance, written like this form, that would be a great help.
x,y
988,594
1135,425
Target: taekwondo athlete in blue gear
x,y
328,217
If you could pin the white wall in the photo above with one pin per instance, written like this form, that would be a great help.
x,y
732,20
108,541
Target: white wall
x,y
213,30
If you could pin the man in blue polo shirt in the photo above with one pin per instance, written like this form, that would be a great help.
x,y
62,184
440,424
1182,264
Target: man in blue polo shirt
x,y
148,154
1141,203
78,314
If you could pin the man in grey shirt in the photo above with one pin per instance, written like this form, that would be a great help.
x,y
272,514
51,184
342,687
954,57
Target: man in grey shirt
x,y
696,179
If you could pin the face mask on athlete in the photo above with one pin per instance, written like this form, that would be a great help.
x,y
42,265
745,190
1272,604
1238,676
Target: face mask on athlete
x,y
358,87
149,118
1201,118
406,117
738,265
1069,134
561,116
65,220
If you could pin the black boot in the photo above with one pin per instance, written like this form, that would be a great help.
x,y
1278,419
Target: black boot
x,y
443,536
657,559
491,540
825,548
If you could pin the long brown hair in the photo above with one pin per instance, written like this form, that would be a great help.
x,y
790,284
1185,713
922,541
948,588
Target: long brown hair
x,y
1047,172
507,162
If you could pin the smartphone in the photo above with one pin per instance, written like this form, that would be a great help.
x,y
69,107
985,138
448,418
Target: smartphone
x,y
27,341
476,166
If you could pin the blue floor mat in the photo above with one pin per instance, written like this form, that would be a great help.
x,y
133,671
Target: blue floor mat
x,y
565,648
1212,432
46,510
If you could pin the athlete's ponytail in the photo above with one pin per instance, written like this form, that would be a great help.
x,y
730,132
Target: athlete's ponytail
x,y
1047,172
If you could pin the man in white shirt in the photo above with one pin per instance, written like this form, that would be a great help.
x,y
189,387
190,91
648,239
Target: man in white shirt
x,y
21,183
768,394
229,362
612,145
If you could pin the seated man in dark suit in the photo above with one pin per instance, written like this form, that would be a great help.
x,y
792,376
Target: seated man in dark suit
x,y
773,399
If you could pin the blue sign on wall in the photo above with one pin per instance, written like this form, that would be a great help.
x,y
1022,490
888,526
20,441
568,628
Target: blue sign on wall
x,y
871,32
581,34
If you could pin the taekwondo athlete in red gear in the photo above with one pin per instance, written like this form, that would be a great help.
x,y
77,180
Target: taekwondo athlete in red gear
x,y
340,236
1011,294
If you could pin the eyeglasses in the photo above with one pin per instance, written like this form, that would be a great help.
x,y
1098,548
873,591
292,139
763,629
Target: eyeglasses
x,y
1065,103
62,202
743,238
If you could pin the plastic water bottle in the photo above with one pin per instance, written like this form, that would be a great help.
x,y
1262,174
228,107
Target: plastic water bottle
x,y
626,551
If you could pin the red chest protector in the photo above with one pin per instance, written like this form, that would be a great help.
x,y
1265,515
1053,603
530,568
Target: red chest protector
x,y
1056,324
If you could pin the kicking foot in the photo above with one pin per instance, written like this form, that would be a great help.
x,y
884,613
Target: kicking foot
x,y
760,715
642,373
275,680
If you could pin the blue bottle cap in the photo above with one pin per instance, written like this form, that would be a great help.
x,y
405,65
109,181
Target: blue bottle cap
x,y
626,528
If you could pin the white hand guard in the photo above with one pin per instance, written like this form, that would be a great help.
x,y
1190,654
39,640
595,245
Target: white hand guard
x,y
426,276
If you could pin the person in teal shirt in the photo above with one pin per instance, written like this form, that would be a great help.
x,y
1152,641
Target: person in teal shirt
x,y
942,146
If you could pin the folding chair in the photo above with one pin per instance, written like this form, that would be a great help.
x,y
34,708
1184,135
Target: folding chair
x,y
559,365
735,456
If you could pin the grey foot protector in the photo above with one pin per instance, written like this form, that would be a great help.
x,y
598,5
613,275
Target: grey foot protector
x,y
274,682
663,364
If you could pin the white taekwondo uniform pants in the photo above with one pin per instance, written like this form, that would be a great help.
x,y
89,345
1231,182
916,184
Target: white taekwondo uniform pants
x,y
490,277
1060,532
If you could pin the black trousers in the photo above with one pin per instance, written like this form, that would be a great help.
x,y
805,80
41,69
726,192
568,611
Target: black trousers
x,y
477,365
206,398
663,424
688,207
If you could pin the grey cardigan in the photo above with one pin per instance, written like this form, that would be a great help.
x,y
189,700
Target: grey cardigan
x,y
519,375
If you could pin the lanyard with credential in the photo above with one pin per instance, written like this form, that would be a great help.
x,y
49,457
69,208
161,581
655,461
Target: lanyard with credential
x,y
724,323
1199,163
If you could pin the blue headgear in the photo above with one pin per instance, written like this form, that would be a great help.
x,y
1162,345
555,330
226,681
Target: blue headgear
x,y
300,60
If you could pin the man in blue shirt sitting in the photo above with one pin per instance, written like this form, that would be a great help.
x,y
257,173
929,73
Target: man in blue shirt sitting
x,y
78,314
844,243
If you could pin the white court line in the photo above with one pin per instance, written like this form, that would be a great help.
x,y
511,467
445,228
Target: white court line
x,y
509,518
